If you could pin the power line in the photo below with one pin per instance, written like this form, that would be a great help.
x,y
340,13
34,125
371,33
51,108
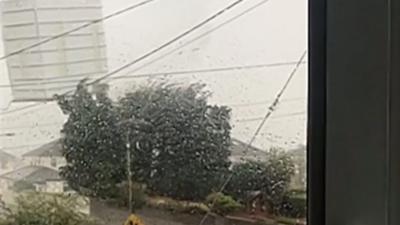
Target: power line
x,y
271,109
20,146
264,102
75,29
302,113
184,72
168,43
232,19
172,73
197,38
33,126
238,121
221,69
21,108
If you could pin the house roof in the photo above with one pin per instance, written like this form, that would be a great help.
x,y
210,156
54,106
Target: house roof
x,y
32,174
299,154
53,148
6,157
239,153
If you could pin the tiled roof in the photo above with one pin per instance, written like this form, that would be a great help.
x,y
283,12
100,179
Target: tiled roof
x,y
239,153
50,149
33,174
6,157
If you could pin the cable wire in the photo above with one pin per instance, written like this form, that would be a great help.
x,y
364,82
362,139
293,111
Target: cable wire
x,y
26,48
264,102
191,41
21,108
237,121
302,113
199,37
271,109
168,43
170,73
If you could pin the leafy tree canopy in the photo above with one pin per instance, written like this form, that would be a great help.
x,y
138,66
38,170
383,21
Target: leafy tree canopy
x,y
92,143
184,148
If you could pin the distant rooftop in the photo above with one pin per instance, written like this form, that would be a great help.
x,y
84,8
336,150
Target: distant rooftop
x,y
239,153
299,151
32,174
50,149
6,157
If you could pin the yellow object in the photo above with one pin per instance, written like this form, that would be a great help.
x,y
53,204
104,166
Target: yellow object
x,y
133,220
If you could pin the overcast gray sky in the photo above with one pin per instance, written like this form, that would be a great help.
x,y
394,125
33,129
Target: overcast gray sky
x,y
275,32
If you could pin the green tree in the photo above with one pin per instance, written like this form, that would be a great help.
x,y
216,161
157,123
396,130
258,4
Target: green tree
x,y
279,172
271,176
92,143
41,209
185,147
246,177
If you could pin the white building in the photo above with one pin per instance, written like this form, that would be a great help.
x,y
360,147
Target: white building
x,y
8,162
31,177
299,156
48,155
40,180
57,66
239,153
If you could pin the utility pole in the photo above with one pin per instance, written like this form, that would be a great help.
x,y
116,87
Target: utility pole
x,y
129,170
136,125
128,123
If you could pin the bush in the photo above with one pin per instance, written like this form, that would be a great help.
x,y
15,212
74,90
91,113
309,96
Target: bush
x,y
120,196
39,209
271,177
294,205
247,176
177,206
223,204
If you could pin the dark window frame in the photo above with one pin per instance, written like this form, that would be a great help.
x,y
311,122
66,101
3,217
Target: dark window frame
x,y
316,128
333,26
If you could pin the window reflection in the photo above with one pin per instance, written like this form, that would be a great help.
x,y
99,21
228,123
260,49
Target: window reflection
x,y
153,112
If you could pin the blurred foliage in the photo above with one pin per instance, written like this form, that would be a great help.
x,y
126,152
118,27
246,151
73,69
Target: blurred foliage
x,y
4,210
40,209
179,143
179,206
184,148
121,197
271,177
92,143
294,205
179,146
222,204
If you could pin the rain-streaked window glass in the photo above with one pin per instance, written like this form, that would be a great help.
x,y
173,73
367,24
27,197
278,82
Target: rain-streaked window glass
x,y
153,112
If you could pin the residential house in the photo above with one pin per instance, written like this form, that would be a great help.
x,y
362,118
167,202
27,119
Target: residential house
x,y
48,155
8,162
299,156
40,178
239,153
299,179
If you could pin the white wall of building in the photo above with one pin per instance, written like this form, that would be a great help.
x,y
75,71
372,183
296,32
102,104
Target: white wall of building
x,y
50,162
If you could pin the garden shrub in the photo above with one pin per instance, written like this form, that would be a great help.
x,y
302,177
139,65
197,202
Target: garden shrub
x,y
223,204
41,209
121,196
294,205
